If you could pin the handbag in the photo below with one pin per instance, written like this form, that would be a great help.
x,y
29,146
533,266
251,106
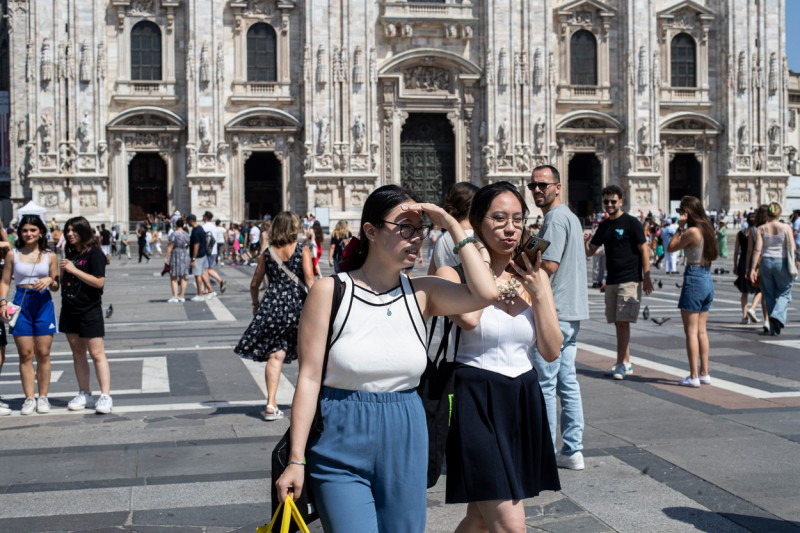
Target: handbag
x,y
290,511
15,310
788,242
436,389
286,271
280,455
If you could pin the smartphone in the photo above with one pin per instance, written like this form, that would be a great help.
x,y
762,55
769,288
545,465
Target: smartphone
x,y
530,248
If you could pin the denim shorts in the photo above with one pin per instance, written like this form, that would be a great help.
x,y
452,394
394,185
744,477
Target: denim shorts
x,y
697,292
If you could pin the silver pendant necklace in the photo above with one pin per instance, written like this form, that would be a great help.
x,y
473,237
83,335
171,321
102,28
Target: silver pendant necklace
x,y
378,296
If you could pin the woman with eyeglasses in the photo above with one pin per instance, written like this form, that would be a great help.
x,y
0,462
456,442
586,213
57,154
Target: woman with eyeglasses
x,y
696,237
499,450
368,468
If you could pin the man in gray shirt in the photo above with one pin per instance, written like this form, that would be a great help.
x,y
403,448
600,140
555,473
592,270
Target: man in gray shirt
x,y
565,262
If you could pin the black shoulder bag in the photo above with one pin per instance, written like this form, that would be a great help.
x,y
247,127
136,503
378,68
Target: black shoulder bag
x,y
280,455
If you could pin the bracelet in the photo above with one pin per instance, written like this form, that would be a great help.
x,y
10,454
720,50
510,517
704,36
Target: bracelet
x,y
295,463
463,243
4,300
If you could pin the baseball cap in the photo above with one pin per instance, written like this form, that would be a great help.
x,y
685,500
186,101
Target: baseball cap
x,y
191,216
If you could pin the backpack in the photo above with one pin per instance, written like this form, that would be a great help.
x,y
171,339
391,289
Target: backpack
x,y
210,242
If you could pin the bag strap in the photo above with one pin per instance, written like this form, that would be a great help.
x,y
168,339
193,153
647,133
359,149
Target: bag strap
x,y
336,301
285,269
24,294
448,326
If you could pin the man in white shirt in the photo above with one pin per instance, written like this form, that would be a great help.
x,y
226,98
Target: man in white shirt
x,y
255,240
211,253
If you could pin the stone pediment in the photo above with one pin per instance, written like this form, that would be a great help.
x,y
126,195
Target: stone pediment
x,y
684,123
263,119
589,121
147,118
578,7
687,8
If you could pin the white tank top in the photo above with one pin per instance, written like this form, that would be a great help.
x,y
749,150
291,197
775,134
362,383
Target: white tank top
x,y
378,341
30,273
773,245
500,343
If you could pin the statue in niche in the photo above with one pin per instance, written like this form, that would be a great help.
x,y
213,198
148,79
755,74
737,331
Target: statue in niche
x,y
85,132
22,132
774,136
488,158
743,138
47,62
102,148
30,61
322,65
757,71
502,72
773,72
482,132
101,61
204,129
85,69
538,135
308,159
759,158
742,71
205,64
47,133
323,135
504,136
66,157
359,132
642,67
644,137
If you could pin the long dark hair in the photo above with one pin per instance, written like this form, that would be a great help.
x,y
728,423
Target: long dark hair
x,y
86,238
483,200
378,204
696,218
318,235
32,220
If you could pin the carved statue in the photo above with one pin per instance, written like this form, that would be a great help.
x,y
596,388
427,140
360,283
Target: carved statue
x,y
757,71
502,70
644,137
504,136
85,132
538,135
85,68
324,134
538,68
488,69
373,66
47,62
47,133
359,132
773,72
643,74
204,131
205,64
308,159
358,66
102,148
759,158
488,158
22,132
322,65
101,61
774,136
742,71
482,132
190,155
743,138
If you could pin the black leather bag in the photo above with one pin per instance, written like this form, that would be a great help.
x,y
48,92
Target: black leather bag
x,y
280,454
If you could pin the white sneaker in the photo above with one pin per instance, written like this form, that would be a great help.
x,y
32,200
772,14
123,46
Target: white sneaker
x,y
198,298
212,294
28,407
689,382
570,462
5,410
181,300
610,372
705,380
80,402
622,370
42,405
104,405
172,300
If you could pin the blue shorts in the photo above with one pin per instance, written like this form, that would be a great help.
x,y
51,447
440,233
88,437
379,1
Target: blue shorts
x,y
37,314
697,291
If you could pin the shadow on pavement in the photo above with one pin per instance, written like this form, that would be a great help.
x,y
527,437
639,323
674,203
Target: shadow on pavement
x,y
709,521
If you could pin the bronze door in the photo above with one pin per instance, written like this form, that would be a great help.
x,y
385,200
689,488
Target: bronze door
x,y
147,186
427,156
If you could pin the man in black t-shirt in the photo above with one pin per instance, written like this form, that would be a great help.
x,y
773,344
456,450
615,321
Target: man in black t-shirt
x,y
197,255
627,264
105,242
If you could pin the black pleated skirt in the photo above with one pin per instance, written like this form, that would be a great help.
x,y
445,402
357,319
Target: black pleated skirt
x,y
499,447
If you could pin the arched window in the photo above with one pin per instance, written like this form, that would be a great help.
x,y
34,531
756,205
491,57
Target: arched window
x,y
583,58
684,64
145,51
262,61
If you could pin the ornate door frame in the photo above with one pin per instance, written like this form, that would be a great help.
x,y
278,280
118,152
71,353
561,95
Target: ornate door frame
x,y
687,133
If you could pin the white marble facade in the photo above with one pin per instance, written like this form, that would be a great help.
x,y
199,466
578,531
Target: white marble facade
x,y
349,73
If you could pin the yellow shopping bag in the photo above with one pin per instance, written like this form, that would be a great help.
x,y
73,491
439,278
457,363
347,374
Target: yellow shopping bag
x,y
289,512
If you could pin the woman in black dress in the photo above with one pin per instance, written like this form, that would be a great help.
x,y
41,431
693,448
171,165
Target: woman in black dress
x,y
742,250
272,335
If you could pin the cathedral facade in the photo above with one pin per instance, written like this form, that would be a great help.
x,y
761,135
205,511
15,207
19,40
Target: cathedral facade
x,y
248,107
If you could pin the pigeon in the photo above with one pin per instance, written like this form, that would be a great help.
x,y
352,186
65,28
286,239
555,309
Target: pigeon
x,y
660,321
660,284
110,310
646,312
678,285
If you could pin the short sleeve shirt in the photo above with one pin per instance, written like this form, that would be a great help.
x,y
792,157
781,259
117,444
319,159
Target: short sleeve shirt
x,y
621,238
255,235
563,229
443,250
198,236
211,227
77,296
796,227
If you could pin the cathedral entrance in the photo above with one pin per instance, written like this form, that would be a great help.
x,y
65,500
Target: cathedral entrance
x,y
427,156
262,185
685,177
147,186
585,183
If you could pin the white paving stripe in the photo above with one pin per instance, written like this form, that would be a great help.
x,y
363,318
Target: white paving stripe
x,y
285,388
145,350
220,312
681,373
150,408
55,375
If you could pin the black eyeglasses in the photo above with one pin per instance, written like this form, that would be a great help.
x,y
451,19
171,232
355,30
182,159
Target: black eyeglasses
x,y
541,185
609,202
407,231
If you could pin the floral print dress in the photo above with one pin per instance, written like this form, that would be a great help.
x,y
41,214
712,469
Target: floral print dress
x,y
274,326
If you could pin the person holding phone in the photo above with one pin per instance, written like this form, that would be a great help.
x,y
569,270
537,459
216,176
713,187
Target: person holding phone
x,y
499,449
628,266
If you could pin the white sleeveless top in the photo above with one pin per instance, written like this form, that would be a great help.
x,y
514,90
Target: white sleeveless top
x,y
378,341
500,343
30,273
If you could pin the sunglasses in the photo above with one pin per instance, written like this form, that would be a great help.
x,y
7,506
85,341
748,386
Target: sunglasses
x,y
609,202
541,185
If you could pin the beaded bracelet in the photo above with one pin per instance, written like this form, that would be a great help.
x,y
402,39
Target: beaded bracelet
x,y
463,243
295,463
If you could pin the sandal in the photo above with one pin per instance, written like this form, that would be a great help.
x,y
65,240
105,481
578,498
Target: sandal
x,y
276,413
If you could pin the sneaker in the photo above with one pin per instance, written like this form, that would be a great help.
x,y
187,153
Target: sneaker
x,y
276,413
223,286
689,382
570,462
705,380
28,407
212,294
198,298
745,320
181,300
628,370
104,405
619,372
172,300
752,316
80,402
42,405
5,410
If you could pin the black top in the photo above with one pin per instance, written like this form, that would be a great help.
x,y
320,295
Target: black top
x,y
621,238
141,236
105,237
340,244
77,296
198,236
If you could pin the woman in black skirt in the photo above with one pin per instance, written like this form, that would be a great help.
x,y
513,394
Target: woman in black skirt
x,y
499,450
742,251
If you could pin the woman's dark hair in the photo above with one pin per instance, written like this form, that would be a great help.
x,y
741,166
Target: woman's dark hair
x,y
762,215
33,220
696,218
378,204
483,200
179,223
86,238
285,227
458,199
318,235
